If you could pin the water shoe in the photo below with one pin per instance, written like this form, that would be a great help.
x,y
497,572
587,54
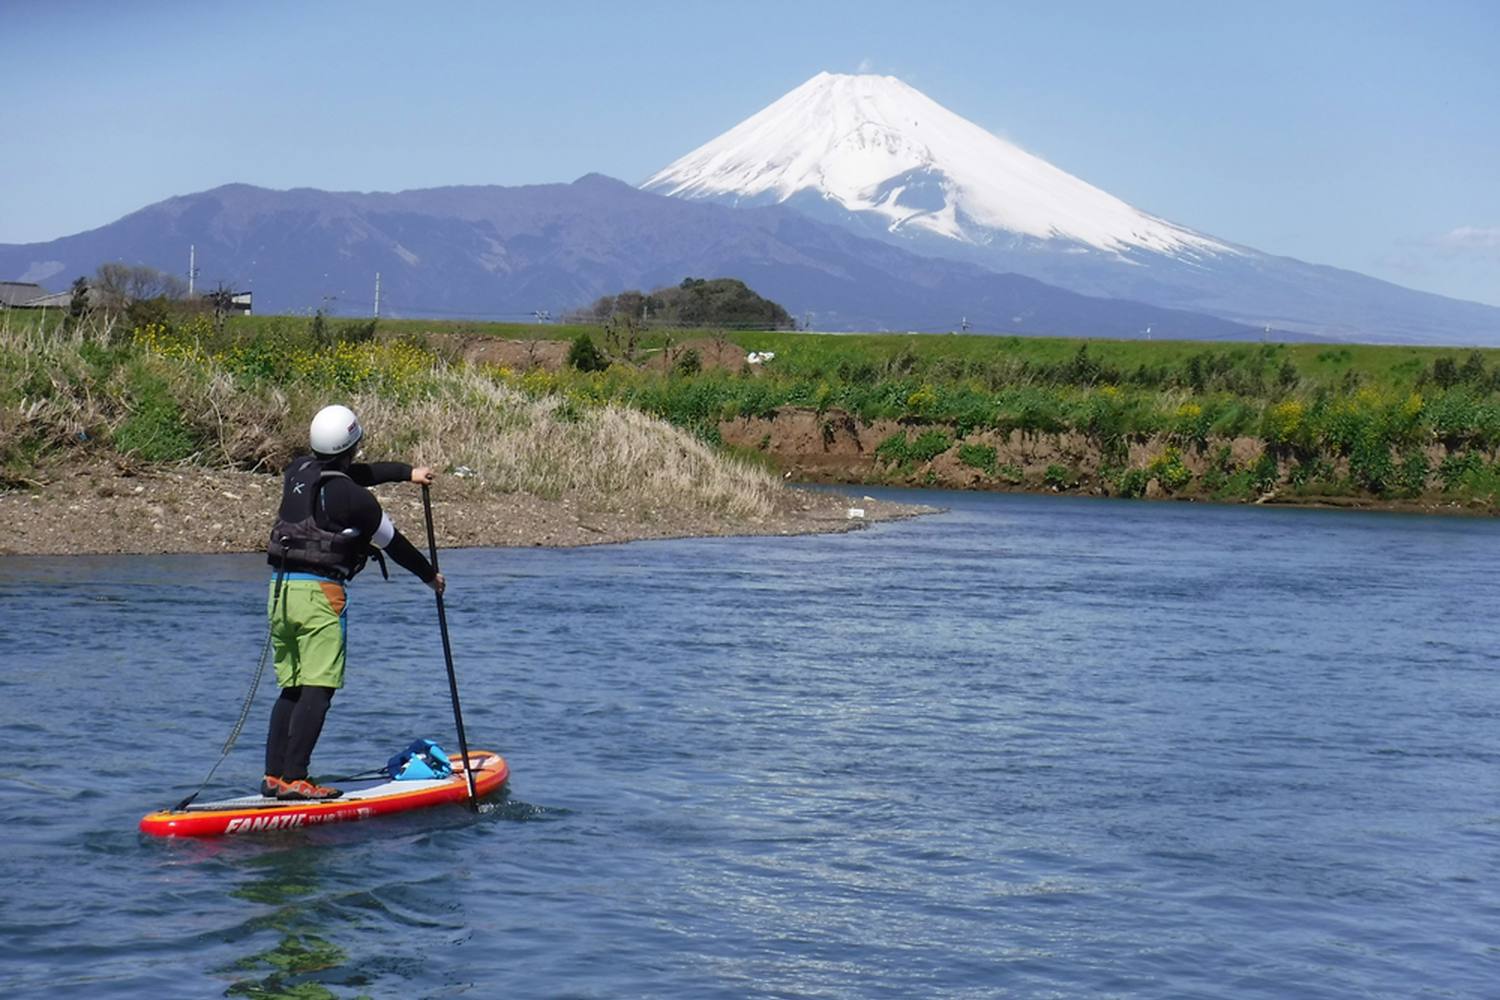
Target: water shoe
x,y
271,787
303,790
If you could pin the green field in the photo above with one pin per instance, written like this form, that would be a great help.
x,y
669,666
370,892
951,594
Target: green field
x,y
951,356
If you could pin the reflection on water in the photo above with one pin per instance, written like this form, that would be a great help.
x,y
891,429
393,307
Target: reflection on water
x,y
287,882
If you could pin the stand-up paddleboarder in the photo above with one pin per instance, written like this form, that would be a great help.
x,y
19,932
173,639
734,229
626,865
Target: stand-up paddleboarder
x,y
329,524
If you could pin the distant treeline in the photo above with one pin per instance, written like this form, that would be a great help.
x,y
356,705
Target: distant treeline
x,y
697,302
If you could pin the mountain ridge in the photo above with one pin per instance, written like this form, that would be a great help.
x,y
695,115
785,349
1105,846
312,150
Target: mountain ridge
x,y
489,251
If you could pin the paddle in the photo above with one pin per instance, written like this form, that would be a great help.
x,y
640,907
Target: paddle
x,y
458,717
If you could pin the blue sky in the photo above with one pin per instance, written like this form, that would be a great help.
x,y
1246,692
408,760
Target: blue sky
x,y
1364,135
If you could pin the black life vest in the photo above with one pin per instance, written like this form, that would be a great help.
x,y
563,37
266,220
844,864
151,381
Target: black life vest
x,y
298,543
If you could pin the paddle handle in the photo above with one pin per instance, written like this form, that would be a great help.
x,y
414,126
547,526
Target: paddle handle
x,y
458,715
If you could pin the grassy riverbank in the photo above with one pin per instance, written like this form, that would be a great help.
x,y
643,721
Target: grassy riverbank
x,y
1299,422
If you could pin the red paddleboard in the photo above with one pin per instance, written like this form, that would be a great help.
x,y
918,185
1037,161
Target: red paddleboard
x,y
253,814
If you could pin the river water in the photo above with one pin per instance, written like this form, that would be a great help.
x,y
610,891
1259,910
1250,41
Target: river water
x,y
1031,747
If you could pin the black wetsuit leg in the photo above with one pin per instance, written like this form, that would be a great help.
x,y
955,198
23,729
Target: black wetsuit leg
x,y
281,721
306,726
296,723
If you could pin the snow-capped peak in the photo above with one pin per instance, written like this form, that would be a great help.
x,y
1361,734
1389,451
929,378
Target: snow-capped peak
x,y
874,144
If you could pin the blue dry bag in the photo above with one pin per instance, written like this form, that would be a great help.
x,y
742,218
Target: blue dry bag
x,y
423,759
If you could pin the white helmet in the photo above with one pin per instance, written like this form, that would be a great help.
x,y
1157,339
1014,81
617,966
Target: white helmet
x,y
334,430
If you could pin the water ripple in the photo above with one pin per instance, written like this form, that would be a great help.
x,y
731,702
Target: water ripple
x,y
1031,747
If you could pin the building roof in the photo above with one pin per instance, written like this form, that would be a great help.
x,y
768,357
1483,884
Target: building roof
x,y
20,293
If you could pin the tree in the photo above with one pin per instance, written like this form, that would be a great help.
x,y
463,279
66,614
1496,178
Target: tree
x,y
631,303
725,302
78,305
119,285
221,299
603,308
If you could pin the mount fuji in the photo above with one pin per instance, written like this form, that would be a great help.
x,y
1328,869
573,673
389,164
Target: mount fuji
x,y
877,156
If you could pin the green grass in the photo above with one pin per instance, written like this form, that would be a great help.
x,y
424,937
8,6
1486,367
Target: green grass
x,y
955,357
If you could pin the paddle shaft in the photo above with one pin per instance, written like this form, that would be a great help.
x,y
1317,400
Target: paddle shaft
x,y
458,715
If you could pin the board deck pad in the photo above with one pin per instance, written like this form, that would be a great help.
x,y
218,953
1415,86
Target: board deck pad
x,y
255,813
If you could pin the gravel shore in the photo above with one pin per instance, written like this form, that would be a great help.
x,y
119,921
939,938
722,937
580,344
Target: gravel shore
x,y
110,508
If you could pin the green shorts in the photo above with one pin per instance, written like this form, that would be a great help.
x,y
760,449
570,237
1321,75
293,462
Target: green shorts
x,y
308,631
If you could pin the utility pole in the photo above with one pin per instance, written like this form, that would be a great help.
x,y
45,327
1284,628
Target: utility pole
x,y
377,294
192,266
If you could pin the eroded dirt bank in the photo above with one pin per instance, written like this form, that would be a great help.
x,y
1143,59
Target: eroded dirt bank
x,y
836,447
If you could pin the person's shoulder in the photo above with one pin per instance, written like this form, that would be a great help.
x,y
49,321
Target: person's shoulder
x,y
345,486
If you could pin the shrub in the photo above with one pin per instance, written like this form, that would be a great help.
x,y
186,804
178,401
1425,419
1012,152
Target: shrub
x,y
1309,473
1132,482
1411,476
318,330
1283,424
900,451
1169,470
1060,477
155,429
146,312
1266,472
921,402
584,356
1458,467
1190,424
1233,419
978,456
893,450
356,331
1370,464
929,445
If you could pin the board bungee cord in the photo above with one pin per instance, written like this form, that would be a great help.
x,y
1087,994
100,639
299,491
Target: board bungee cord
x,y
239,724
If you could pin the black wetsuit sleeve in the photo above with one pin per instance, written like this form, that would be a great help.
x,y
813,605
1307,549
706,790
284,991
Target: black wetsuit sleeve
x,y
375,473
345,505
408,558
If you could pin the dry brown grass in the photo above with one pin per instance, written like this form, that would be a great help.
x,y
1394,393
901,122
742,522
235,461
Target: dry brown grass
x,y
52,399
547,448
54,402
